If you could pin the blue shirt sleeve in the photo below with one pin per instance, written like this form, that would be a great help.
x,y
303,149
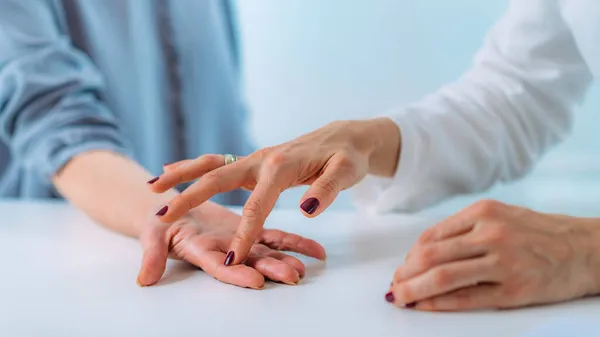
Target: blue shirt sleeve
x,y
51,105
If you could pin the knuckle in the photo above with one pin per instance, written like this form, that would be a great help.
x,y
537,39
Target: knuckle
x,y
496,261
214,179
347,166
496,234
211,160
328,185
276,159
441,278
428,235
185,200
262,153
213,176
252,209
345,161
241,236
486,207
427,256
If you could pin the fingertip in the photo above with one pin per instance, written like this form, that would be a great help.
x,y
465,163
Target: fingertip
x,y
310,206
146,280
312,249
260,287
291,277
169,213
324,256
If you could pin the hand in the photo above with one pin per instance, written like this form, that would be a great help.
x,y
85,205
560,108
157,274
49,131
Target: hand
x,y
201,237
330,159
493,255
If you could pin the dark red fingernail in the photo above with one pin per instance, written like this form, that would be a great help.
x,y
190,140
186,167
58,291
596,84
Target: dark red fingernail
x,y
162,211
167,164
410,305
389,297
153,180
229,258
310,205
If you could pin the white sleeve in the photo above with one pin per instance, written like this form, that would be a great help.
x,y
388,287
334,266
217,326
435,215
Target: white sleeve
x,y
495,122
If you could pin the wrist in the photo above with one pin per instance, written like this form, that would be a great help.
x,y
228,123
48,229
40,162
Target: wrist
x,y
385,137
591,248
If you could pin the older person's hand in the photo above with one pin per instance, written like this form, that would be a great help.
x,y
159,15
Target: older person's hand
x,y
329,159
493,255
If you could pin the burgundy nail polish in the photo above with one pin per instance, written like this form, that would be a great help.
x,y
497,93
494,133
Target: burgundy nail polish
x,y
310,205
153,180
229,258
162,211
411,305
389,297
167,164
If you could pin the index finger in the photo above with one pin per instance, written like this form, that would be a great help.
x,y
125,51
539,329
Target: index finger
x,y
223,179
182,172
255,212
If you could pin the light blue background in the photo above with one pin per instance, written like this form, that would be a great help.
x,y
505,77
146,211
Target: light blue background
x,y
308,62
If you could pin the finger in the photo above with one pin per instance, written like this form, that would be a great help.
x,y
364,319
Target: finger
x,y
443,279
255,212
290,260
427,256
189,171
212,263
156,251
484,296
339,174
457,224
171,166
221,180
280,240
274,269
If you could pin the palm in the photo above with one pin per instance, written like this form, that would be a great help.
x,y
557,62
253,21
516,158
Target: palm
x,y
203,240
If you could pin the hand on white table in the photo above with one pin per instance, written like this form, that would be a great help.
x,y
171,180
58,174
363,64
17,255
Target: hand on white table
x,y
493,255
202,239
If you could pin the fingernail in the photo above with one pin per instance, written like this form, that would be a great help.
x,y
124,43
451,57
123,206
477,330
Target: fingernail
x,y
389,297
410,305
137,280
310,205
162,211
167,164
229,258
152,181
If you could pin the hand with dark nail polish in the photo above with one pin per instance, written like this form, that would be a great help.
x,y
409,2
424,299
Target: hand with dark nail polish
x,y
330,160
200,241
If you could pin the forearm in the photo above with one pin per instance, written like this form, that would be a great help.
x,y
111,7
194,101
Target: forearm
x,y
111,189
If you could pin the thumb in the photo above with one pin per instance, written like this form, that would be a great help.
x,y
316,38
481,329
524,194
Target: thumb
x,y
156,251
339,174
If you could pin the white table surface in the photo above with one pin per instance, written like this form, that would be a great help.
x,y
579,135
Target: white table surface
x,y
64,276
